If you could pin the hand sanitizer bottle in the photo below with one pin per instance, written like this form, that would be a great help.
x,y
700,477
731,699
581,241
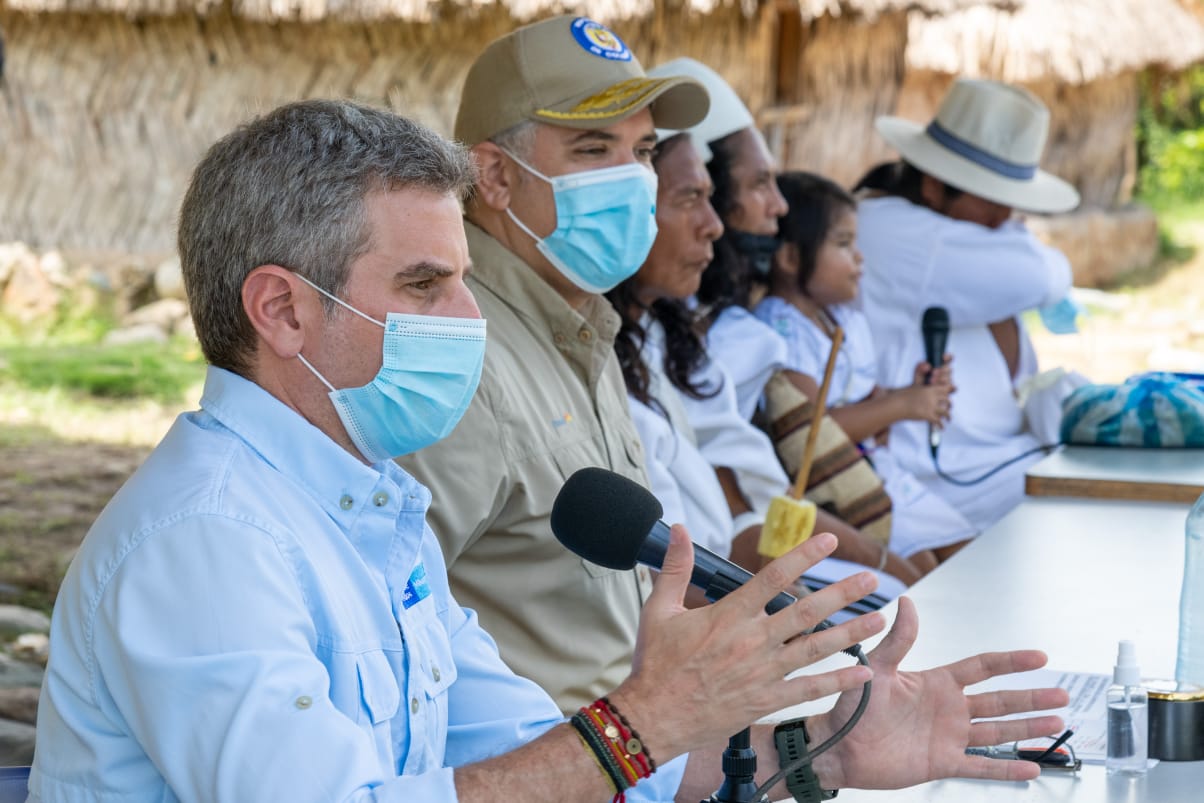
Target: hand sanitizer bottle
x,y
1128,716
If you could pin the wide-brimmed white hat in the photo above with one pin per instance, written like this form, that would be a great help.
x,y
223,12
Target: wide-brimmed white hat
x,y
727,114
987,139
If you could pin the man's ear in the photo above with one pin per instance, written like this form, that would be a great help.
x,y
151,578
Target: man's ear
x,y
277,311
495,176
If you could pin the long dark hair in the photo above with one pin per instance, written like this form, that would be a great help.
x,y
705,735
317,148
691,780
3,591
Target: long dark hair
x,y
728,280
901,179
813,205
684,348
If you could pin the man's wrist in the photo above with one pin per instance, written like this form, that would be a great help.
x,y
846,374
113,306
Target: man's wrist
x,y
793,743
827,764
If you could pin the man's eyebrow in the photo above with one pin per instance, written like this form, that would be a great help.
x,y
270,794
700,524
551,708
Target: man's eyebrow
x,y
586,136
423,270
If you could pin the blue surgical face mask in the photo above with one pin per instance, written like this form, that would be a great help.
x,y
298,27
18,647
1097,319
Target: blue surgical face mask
x,y
430,369
605,224
1062,318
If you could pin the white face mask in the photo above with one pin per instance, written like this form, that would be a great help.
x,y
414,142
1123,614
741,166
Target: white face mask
x,y
605,223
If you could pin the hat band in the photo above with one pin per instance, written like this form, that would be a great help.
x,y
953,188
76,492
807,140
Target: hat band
x,y
977,155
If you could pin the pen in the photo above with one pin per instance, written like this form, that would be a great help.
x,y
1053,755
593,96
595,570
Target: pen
x,y
1061,740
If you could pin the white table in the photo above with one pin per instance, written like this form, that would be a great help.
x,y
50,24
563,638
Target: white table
x,y
1070,577
1101,472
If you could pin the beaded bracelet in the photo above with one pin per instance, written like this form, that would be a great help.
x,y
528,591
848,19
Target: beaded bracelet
x,y
616,747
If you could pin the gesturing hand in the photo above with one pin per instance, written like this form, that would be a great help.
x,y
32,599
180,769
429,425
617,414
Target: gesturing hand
x,y
707,672
918,724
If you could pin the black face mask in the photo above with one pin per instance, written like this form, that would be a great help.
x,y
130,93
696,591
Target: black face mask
x,y
758,249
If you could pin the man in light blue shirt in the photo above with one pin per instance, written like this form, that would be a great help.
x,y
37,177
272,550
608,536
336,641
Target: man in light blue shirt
x,y
261,613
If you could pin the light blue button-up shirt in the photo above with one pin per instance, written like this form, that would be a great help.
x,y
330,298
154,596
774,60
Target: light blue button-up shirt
x,y
259,616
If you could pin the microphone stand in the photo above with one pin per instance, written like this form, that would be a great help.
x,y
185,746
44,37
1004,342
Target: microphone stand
x,y
739,772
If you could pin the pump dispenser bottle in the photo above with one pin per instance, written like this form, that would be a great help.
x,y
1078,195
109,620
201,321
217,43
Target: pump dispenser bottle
x,y
1128,716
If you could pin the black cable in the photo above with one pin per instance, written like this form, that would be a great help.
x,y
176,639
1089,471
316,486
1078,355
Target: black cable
x,y
868,604
1045,448
763,789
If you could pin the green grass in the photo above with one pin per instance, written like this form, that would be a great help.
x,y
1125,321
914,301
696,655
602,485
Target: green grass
x,y
163,373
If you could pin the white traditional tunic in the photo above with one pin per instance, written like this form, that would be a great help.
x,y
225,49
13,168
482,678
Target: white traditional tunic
x,y
720,436
916,258
919,518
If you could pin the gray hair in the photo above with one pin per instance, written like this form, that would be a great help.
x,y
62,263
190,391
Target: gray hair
x,y
289,189
518,140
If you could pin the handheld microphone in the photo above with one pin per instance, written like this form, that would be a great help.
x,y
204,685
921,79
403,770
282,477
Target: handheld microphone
x,y
934,327
614,522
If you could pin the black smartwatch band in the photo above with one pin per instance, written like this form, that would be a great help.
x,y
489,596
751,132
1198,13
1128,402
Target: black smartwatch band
x,y
791,740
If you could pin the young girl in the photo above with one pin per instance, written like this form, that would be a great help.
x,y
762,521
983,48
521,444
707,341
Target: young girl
x,y
813,285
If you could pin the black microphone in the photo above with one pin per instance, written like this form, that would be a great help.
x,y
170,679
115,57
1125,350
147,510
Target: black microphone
x,y
614,522
935,328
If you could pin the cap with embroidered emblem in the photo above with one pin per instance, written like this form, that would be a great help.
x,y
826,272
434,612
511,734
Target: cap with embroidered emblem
x,y
572,72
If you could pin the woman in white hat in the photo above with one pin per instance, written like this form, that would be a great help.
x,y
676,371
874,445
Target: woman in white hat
x,y
940,232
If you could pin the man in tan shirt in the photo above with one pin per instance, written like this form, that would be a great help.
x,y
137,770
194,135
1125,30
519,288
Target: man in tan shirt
x,y
562,97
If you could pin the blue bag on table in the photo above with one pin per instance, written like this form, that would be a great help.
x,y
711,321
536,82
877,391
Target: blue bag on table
x,y
1154,410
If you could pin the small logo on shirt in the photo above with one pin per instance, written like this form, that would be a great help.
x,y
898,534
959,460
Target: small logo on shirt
x,y
417,588
565,418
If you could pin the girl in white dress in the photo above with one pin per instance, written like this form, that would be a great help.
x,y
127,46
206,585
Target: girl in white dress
x,y
814,285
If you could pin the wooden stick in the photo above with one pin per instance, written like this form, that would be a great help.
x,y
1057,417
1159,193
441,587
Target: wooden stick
x,y
804,469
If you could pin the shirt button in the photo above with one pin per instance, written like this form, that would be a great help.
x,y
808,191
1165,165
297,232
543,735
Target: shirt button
x,y
413,705
380,499
304,701
346,502
435,673
585,335
559,339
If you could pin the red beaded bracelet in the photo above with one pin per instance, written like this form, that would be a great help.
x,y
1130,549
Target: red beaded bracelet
x,y
617,748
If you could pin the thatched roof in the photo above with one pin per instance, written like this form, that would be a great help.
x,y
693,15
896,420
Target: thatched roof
x,y
1073,41
424,10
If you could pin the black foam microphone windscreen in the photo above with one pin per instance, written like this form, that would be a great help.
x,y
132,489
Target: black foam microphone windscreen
x,y
604,517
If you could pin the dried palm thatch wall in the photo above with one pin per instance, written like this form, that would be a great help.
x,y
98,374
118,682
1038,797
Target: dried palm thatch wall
x,y
103,116
836,74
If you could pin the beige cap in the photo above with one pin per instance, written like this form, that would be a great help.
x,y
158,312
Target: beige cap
x,y
572,72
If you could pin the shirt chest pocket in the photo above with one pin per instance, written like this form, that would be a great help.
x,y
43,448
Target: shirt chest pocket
x,y
380,696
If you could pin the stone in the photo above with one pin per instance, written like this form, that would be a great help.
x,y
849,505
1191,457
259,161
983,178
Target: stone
x,y
20,704
169,279
14,673
16,743
16,619
54,268
32,648
141,333
164,314
12,254
29,295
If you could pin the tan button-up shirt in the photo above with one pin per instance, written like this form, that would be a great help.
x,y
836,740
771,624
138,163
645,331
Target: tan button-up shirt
x,y
551,401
